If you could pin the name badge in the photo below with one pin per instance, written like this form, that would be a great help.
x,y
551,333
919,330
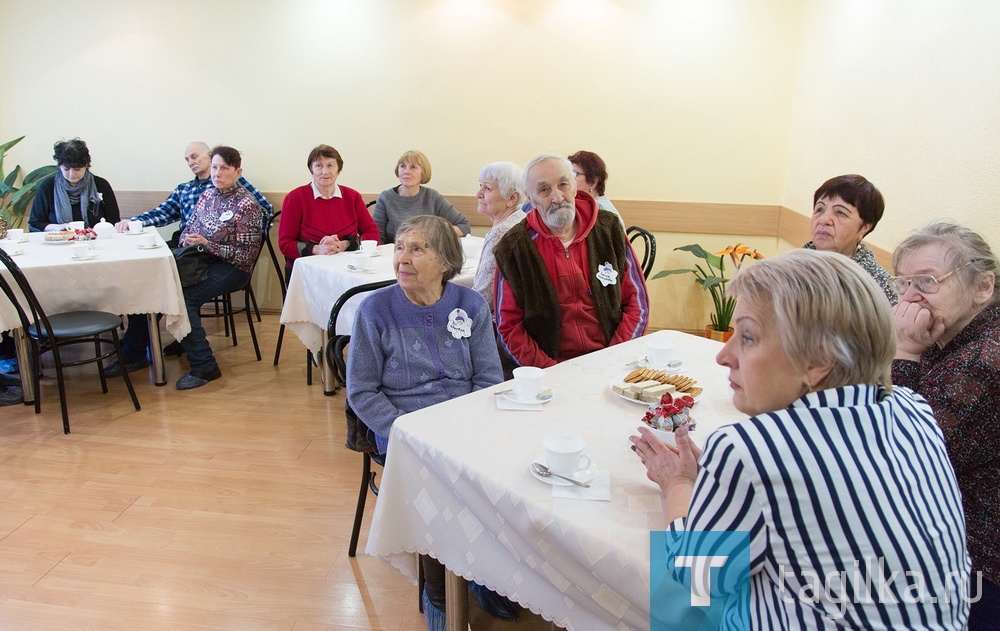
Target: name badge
x,y
607,274
226,216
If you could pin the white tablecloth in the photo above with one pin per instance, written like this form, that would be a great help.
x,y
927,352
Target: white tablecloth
x,y
121,278
317,282
457,486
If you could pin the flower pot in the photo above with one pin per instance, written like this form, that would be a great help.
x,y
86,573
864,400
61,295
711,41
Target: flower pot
x,y
718,336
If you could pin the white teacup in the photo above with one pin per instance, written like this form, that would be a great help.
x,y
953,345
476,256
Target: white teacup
x,y
659,351
77,225
528,382
134,226
564,454
368,247
363,261
15,234
81,250
147,240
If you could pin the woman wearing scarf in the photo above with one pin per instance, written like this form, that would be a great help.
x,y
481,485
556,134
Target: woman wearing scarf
x,y
72,194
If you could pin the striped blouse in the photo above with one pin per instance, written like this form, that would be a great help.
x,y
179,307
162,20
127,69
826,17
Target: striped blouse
x,y
840,484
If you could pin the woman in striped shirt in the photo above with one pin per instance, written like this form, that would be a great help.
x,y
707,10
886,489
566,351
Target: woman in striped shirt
x,y
842,482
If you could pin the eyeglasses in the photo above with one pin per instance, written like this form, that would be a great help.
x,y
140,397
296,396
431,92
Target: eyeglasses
x,y
925,283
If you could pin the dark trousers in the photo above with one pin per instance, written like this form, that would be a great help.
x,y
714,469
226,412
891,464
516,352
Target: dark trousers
x,y
222,279
985,612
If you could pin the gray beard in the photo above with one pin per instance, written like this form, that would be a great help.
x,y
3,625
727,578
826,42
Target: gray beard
x,y
559,217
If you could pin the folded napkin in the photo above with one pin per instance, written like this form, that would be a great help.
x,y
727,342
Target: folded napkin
x,y
600,489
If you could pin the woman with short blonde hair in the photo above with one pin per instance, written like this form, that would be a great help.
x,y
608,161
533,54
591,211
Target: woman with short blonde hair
x,y
411,198
833,474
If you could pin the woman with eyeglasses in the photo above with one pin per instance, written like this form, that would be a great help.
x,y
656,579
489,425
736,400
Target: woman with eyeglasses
x,y
591,176
846,209
948,349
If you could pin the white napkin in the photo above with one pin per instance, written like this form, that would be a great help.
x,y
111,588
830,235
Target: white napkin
x,y
503,403
600,489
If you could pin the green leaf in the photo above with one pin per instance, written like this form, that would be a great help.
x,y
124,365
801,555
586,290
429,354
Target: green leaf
x,y
11,178
671,272
7,145
40,174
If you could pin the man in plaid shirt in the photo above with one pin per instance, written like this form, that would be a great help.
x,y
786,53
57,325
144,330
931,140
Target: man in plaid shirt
x,y
179,205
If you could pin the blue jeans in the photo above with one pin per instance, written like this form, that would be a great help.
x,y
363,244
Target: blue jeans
x,y
222,279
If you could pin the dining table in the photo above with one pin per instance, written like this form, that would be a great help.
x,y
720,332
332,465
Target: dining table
x,y
318,281
119,276
457,486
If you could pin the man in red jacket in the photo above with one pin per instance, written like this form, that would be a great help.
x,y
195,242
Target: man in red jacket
x,y
567,282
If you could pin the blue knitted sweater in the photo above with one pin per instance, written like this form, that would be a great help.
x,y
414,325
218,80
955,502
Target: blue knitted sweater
x,y
405,357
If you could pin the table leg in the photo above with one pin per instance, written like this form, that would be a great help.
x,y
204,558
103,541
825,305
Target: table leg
x,y
156,350
456,602
329,379
23,364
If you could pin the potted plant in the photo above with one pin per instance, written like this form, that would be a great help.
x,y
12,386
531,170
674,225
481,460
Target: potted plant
x,y
712,277
14,202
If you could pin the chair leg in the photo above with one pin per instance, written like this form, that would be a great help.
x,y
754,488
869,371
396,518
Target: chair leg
x,y
61,383
253,301
420,585
247,295
277,347
230,317
309,368
366,469
121,362
100,365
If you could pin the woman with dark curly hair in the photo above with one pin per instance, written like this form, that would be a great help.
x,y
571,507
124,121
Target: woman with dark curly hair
x,y
72,194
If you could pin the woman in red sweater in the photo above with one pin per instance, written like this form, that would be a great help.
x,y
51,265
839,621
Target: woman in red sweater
x,y
323,217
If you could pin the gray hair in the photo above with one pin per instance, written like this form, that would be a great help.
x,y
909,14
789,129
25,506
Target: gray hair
x,y
963,246
545,157
826,309
441,240
507,175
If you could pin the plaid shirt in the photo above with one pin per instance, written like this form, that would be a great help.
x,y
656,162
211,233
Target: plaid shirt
x,y
180,205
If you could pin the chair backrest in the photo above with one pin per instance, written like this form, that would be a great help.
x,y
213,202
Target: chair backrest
x,y
274,256
34,315
636,233
359,436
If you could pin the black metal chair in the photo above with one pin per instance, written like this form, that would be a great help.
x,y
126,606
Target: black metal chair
x,y
52,333
360,437
636,233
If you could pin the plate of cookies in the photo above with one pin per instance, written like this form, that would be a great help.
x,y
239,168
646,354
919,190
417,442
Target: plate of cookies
x,y
645,385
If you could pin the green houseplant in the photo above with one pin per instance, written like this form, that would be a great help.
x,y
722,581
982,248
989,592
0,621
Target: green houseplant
x,y
711,275
15,202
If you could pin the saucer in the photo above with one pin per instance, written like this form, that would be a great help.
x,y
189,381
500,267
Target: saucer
x,y
513,398
83,258
132,234
583,475
13,252
374,254
148,247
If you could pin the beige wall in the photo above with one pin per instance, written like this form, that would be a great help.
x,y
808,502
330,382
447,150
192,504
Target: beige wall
x,y
907,93
685,100
722,101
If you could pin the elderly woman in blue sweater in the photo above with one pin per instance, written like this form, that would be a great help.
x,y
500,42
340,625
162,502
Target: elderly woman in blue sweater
x,y
420,342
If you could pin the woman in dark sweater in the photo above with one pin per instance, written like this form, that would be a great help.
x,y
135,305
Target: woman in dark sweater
x,y
948,350
72,194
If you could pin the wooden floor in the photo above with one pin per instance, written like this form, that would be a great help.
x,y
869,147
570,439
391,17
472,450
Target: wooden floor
x,y
224,507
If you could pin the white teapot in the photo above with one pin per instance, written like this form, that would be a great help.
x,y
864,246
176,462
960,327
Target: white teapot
x,y
104,230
